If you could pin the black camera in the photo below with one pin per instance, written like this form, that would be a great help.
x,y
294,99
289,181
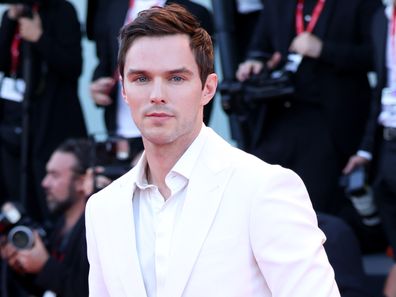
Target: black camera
x,y
112,156
17,227
354,183
360,194
264,87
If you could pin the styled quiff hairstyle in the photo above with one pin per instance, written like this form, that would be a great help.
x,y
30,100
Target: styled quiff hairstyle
x,y
169,20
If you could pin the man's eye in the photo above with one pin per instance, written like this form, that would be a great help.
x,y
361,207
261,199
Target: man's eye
x,y
177,78
141,79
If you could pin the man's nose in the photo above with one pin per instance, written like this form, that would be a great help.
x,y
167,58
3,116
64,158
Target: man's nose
x,y
157,95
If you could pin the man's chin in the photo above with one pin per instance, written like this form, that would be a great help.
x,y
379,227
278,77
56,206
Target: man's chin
x,y
158,136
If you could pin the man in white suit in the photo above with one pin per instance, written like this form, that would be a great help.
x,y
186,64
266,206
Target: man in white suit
x,y
196,217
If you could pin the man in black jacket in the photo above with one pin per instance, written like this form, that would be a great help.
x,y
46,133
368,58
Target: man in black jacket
x,y
49,41
379,141
317,128
62,267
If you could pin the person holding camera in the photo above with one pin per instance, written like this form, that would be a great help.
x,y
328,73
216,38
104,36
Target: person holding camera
x,y
378,145
40,64
325,47
62,266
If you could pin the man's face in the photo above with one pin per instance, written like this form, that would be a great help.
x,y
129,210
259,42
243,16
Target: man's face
x,y
60,182
163,89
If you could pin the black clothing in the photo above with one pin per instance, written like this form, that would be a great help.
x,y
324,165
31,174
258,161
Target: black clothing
x,y
55,111
342,249
66,271
314,131
383,151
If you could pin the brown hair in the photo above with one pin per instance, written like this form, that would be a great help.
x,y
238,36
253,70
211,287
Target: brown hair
x,y
169,20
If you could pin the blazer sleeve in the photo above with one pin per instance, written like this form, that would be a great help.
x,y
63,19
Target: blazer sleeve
x,y
286,241
97,287
378,37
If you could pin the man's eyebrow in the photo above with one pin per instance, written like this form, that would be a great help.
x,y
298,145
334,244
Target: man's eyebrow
x,y
135,71
182,70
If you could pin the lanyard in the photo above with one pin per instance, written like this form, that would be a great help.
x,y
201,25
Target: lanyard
x,y
314,18
15,52
16,47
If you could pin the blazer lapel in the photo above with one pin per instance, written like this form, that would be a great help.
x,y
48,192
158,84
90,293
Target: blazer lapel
x,y
124,241
204,195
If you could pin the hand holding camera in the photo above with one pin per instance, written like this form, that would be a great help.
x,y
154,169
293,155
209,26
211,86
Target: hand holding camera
x,y
26,260
18,229
354,162
254,67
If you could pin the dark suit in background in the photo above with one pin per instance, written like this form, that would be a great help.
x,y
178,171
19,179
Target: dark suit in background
x,y
55,111
343,251
66,271
375,141
315,130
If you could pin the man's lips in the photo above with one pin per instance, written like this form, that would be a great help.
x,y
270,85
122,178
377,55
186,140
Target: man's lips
x,y
159,115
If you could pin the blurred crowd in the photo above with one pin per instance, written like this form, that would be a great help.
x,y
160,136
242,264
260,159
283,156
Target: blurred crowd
x,y
307,84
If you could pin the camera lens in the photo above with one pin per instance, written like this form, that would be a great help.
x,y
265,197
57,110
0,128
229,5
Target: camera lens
x,y
21,237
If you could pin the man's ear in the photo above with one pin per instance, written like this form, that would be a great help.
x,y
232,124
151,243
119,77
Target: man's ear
x,y
210,88
122,89
81,182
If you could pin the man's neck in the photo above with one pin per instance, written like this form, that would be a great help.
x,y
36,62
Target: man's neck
x,y
161,159
159,163
73,214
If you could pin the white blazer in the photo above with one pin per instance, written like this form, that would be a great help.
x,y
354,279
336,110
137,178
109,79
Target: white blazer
x,y
247,229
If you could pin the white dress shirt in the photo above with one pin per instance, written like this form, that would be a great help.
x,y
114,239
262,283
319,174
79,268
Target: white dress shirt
x,y
157,218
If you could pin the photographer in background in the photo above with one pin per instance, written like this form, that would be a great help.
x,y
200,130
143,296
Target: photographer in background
x,y
379,141
62,267
40,63
316,129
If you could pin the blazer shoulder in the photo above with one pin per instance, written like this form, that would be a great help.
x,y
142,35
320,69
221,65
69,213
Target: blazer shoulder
x,y
120,187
